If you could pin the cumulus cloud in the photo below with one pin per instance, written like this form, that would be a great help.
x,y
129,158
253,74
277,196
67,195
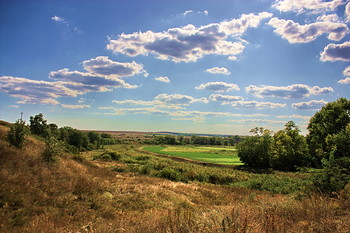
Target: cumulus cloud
x,y
33,91
296,33
163,79
310,105
68,83
336,52
218,70
188,43
225,99
287,92
258,121
102,65
347,12
75,106
301,6
256,105
179,99
328,18
344,81
218,86
346,72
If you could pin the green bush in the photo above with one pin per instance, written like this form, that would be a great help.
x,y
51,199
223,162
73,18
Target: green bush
x,y
170,174
53,147
17,134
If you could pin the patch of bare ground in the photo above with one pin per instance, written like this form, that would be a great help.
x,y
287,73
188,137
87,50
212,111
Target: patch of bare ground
x,y
86,196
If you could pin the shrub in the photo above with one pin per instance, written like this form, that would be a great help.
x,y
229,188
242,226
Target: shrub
x,y
170,174
17,134
53,147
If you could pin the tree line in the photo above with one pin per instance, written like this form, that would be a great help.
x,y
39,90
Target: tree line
x,y
195,140
326,146
72,140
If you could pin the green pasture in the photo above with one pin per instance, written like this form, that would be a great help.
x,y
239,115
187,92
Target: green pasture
x,y
218,155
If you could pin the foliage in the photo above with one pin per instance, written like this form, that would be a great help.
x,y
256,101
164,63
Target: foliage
x,y
255,151
334,175
17,134
53,147
108,156
38,126
95,139
328,130
290,149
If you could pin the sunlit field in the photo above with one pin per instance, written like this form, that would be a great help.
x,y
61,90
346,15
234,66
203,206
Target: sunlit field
x,y
216,155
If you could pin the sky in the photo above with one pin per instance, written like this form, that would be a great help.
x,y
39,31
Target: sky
x,y
219,67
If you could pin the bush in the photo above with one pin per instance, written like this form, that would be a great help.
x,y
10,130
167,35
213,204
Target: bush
x,y
170,174
17,135
53,147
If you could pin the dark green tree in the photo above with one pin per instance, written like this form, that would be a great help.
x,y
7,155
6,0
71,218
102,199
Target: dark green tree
x,y
256,151
17,134
324,127
38,125
290,149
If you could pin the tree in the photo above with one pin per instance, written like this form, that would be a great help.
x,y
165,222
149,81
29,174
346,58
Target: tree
x,y
324,127
256,151
290,149
39,126
17,134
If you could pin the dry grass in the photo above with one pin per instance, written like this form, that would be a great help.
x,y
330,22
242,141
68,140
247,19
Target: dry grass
x,y
73,196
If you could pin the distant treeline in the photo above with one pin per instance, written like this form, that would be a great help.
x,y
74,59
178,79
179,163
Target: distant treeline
x,y
73,140
194,140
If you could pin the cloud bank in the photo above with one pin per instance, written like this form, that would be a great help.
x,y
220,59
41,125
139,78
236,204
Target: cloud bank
x,y
188,43
287,92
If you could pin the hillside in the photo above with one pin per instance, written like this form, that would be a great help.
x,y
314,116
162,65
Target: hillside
x,y
78,195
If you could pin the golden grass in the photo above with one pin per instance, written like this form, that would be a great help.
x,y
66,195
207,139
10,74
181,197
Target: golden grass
x,y
73,196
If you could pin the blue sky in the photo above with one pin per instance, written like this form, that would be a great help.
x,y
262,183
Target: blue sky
x,y
220,67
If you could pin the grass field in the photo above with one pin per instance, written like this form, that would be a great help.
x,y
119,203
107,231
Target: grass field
x,y
217,155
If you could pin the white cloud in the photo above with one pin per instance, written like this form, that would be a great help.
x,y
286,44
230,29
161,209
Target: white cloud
x,y
328,18
57,19
344,81
179,99
34,91
68,83
347,12
163,79
296,33
336,52
187,12
346,72
287,92
301,6
256,105
218,70
258,121
313,104
75,106
218,86
102,65
188,43
293,116
225,99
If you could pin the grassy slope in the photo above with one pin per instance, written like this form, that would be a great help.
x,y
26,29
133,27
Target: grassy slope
x,y
78,195
199,154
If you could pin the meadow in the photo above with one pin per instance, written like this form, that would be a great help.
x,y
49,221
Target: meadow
x,y
119,188
215,155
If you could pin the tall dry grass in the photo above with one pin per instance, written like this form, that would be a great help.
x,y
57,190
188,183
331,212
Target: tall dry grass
x,y
79,196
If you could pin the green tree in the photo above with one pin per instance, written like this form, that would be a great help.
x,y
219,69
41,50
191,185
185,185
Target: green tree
x,y
95,139
256,151
38,125
17,134
324,127
290,149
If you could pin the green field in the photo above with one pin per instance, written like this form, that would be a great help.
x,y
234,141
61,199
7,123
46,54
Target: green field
x,y
217,155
